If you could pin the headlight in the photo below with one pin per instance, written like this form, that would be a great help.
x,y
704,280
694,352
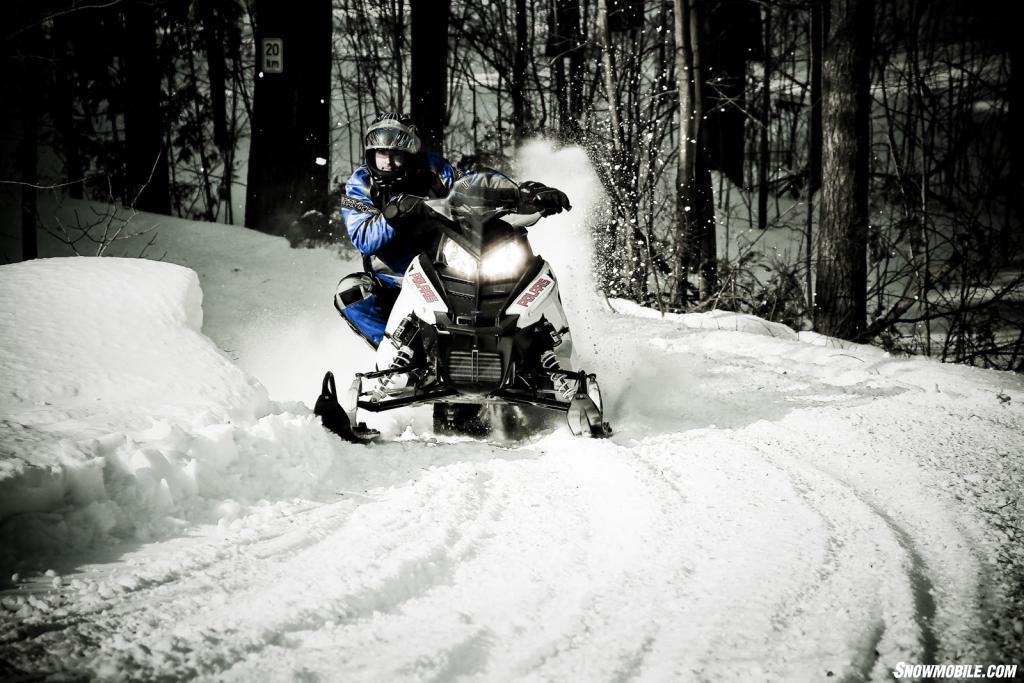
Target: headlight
x,y
504,262
458,259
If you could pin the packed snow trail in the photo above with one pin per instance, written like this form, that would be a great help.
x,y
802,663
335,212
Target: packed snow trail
x,y
769,508
543,562
765,548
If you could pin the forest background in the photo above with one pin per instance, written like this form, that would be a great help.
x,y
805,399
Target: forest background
x,y
849,167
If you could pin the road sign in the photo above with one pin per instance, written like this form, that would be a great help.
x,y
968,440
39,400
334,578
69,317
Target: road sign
x,y
273,56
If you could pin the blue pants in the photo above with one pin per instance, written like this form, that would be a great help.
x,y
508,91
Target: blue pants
x,y
369,317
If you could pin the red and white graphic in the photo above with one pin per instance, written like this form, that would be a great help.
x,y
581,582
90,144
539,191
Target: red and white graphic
x,y
426,290
535,290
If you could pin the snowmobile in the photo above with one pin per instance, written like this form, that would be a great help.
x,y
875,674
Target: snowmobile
x,y
478,323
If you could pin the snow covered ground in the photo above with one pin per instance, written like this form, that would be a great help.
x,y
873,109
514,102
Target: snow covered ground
x,y
772,506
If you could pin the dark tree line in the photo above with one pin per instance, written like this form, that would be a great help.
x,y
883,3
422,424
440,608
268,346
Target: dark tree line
x,y
144,101
839,165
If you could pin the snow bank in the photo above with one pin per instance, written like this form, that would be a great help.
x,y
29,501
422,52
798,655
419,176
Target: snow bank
x,y
116,341
721,321
266,305
119,417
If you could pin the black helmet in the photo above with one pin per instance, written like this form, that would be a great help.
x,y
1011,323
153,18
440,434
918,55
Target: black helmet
x,y
392,132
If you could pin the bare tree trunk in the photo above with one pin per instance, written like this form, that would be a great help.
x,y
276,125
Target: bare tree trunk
x,y
519,63
732,39
703,191
397,39
213,44
818,9
221,40
817,36
695,239
685,172
841,291
556,50
563,49
148,175
1016,128
577,74
608,68
429,62
766,104
210,213
621,226
536,116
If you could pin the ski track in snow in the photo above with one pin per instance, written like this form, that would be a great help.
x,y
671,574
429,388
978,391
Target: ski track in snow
x,y
704,554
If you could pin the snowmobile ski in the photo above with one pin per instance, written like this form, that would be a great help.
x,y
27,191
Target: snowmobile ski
x,y
335,419
586,415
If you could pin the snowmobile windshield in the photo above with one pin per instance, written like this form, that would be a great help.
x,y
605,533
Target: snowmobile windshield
x,y
481,195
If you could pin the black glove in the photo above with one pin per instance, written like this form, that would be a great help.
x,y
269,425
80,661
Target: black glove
x,y
539,197
403,209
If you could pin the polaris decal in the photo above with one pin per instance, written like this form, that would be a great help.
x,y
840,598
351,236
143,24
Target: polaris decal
x,y
530,295
424,287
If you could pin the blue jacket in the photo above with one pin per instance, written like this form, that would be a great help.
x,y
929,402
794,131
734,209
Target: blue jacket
x,y
360,211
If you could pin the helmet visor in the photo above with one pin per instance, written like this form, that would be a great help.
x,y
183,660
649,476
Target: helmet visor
x,y
392,134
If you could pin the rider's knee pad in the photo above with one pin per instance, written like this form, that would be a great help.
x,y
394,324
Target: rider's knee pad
x,y
353,289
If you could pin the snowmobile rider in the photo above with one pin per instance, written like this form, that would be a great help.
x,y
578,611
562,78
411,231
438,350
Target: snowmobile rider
x,y
395,164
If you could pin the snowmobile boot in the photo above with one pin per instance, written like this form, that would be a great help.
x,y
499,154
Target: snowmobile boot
x,y
395,353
